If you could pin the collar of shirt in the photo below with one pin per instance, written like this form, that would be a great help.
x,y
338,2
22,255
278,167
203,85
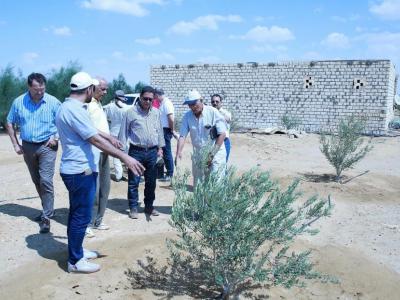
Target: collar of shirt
x,y
39,102
142,111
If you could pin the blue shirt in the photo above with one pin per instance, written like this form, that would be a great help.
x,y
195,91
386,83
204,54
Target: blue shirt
x,y
36,120
75,128
200,128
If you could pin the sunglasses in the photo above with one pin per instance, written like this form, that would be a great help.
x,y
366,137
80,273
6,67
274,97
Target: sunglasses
x,y
147,99
215,101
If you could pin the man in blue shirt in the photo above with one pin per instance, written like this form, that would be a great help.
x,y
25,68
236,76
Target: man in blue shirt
x,y
79,166
34,112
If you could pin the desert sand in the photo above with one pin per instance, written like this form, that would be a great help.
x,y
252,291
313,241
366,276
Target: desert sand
x,y
359,243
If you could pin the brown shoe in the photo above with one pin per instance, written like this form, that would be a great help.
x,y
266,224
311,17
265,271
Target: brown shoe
x,y
133,213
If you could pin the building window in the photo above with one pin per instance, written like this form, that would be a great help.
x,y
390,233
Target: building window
x,y
308,82
358,83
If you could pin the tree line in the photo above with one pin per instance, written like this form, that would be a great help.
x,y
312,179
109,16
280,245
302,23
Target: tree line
x,y
13,84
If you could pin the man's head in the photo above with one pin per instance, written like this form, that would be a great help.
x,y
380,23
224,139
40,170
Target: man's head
x,y
119,95
83,86
146,97
216,101
101,89
195,102
36,86
159,94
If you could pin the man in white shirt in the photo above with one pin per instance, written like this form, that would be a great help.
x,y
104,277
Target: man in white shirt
x,y
99,119
167,121
115,112
199,121
216,101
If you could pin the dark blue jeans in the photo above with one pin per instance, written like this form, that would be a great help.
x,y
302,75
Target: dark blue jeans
x,y
167,152
148,159
227,143
81,189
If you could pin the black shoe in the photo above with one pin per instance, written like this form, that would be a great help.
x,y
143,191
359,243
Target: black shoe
x,y
44,226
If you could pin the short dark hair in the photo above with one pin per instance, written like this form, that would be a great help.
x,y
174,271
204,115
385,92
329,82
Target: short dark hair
x,y
217,95
38,77
146,89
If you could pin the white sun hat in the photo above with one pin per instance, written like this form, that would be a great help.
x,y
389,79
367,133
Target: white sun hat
x,y
82,80
192,97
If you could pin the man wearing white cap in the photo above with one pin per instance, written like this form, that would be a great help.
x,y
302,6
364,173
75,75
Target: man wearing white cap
x,y
206,127
79,167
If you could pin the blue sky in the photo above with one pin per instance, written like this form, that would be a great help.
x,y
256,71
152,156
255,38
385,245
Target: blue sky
x,y
108,37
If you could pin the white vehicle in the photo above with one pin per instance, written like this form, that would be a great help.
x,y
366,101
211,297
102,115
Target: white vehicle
x,y
132,98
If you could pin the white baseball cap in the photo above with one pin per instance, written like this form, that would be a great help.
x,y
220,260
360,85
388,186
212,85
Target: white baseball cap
x,y
82,80
192,97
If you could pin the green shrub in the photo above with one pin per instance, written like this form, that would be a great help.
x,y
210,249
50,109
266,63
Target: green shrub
x,y
346,147
239,229
290,122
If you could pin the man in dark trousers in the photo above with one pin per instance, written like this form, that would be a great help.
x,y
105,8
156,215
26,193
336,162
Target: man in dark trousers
x,y
142,125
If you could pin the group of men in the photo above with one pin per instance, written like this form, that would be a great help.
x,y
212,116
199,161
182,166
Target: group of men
x,y
135,135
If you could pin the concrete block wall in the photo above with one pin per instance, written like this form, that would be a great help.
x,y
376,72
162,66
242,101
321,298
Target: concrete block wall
x,y
318,93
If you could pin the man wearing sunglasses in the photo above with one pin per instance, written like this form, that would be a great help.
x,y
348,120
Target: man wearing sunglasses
x,y
142,126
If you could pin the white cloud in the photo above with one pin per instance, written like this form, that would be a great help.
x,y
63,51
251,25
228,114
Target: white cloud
x,y
128,7
382,44
30,57
336,40
149,42
352,17
262,34
387,9
62,31
209,22
144,56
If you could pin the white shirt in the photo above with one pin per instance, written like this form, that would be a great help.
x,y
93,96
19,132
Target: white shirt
x,y
166,108
199,129
228,116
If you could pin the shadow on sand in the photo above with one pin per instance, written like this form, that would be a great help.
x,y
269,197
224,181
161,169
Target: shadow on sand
x,y
48,247
317,178
121,206
17,210
180,278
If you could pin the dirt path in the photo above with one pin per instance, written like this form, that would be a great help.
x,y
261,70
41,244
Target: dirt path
x,y
359,244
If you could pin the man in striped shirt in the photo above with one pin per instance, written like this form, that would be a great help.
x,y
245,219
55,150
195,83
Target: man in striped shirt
x,y
142,126
34,112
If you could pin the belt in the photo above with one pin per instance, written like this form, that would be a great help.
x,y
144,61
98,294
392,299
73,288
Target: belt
x,y
35,143
143,148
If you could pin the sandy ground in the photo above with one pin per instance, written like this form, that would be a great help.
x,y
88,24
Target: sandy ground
x,y
360,243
